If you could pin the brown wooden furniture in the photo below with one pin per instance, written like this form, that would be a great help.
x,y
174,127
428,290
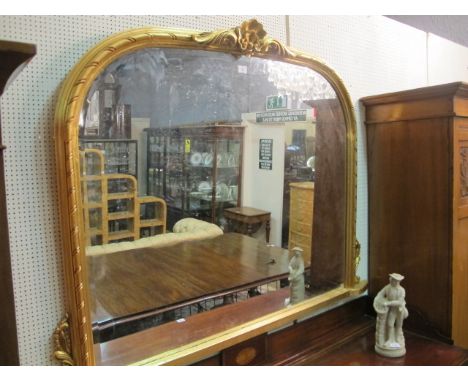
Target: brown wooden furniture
x,y
248,220
104,225
133,285
341,336
13,57
301,214
417,145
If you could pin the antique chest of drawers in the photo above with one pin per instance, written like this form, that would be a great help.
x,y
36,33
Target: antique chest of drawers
x,y
301,216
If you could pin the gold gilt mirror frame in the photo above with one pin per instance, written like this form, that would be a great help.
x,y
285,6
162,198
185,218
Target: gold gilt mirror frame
x,y
249,39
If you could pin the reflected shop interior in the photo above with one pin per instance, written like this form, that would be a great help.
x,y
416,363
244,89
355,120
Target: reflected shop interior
x,y
200,171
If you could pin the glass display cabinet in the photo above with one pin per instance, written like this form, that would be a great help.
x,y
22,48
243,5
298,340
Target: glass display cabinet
x,y
196,169
121,155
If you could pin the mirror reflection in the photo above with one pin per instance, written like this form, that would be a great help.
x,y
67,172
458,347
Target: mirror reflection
x,y
200,172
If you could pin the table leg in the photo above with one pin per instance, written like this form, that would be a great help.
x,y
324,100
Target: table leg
x,y
229,225
254,292
249,229
267,231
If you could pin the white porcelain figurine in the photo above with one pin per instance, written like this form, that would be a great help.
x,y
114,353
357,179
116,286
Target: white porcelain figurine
x,y
296,277
391,310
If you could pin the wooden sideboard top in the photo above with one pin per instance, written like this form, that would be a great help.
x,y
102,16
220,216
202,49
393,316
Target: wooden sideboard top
x,y
451,89
420,351
440,101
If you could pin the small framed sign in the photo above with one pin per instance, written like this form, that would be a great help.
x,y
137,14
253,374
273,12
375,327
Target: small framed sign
x,y
265,154
276,102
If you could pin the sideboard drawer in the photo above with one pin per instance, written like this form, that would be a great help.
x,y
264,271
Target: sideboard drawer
x,y
250,352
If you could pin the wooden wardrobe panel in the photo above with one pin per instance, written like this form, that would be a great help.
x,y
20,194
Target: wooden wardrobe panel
x,y
460,228
409,215
460,283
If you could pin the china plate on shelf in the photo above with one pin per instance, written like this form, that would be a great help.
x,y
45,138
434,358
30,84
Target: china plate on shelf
x,y
222,191
196,159
197,194
204,187
208,159
233,192
231,162
220,159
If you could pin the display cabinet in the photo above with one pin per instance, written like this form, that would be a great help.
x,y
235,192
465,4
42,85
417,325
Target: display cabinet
x,y
197,170
121,155
112,211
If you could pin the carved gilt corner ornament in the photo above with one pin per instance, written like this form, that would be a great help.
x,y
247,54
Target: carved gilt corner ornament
x,y
249,38
62,343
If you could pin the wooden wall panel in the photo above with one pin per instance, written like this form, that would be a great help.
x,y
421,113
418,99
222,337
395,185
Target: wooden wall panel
x,y
409,215
328,231
460,228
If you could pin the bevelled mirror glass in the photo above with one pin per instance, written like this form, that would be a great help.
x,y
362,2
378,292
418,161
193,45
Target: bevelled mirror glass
x,y
203,175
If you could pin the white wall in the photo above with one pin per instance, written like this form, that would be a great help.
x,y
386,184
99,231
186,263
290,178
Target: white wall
x,y
447,61
264,189
372,54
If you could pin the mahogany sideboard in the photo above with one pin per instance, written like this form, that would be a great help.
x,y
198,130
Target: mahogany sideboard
x,y
417,148
341,336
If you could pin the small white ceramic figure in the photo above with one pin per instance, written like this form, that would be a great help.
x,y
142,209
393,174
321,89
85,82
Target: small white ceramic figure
x,y
391,310
296,277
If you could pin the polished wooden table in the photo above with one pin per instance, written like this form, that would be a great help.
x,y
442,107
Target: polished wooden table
x,y
130,285
250,218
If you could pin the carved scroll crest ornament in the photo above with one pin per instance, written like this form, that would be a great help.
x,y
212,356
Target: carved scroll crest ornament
x,y
249,38
62,343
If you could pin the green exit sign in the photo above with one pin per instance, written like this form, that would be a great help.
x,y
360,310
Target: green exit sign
x,y
277,102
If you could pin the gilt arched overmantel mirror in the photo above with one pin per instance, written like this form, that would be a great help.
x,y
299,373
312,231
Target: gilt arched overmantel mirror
x,y
190,165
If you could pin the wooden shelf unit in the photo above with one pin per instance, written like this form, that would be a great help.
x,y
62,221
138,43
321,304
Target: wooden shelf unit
x,y
99,206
